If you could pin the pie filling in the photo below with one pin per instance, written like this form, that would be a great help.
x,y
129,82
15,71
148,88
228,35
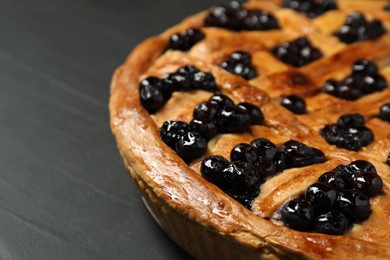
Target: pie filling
x,y
341,197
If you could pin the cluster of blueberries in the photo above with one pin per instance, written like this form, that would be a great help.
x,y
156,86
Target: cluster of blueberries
x,y
356,28
218,115
297,53
339,199
185,40
250,165
235,17
348,132
155,92
239,63
310,8
363,80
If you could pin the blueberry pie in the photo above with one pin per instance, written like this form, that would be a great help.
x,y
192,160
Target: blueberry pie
x,y
262,129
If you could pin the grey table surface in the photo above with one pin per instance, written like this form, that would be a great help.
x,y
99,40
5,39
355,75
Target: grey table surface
x,y
64,192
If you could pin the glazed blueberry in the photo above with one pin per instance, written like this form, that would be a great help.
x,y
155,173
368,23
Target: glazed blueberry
x,y
331,223
246,198
310,8
280,161
357,28
333,179
298,53
265,167
369,183
191,145
185,40
221,101
361,166
205,111
351,120
265,148
151,94
234,17
364,67
244,153
295,104
207,129
346,173
298,214
298,154
384,112
254,112
177,82
257,20
354,204
171,132
321,196
239,177
239,63
203,80
233,120
211,169
187,70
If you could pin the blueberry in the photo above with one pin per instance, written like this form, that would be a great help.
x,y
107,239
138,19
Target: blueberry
x,y
254,112
191,145
239,63
212,168
233,120
265,167
204,80
297,53
205,111
185,40
351,120
295,104
239,177
151,94
221,101
310,8
374,30
333,179
207,129
346,173
365,67
280,161
298,154
331,223
321,196
384,112
387,7
298,214
171,131
244,153
331,87
264,147
369,183
354,204
177,82
187,70
361,166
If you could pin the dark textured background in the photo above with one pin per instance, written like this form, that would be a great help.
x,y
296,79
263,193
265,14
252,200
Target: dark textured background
x,y
64,192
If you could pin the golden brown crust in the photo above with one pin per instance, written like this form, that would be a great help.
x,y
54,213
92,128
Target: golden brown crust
x,y
173,189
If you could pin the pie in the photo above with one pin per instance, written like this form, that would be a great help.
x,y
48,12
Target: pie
x,y
262,130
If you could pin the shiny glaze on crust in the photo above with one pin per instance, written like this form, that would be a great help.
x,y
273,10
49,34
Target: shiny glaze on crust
x,y
190,195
